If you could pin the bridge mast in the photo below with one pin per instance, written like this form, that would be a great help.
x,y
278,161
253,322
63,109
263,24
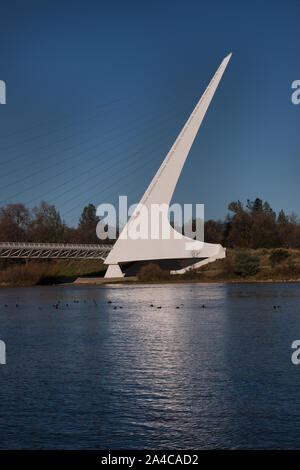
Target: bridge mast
x,y
160,191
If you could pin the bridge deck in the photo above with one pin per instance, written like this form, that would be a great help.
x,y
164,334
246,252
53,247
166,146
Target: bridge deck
x,y
53,250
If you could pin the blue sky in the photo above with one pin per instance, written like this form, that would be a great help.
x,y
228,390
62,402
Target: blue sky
x,y
98,91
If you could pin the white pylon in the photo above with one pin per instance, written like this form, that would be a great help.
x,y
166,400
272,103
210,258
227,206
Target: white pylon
x,y
160,191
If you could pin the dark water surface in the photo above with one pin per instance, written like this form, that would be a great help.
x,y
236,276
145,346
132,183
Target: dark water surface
x,y
89,376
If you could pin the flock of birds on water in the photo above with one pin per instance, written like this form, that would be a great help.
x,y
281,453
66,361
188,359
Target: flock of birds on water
x,y
59,304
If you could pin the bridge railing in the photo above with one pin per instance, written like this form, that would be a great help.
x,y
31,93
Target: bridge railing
x,y
53,250
56,245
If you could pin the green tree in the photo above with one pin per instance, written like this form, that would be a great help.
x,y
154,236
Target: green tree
x,y
282,219
246,264
88,215
277,256
259,207
267,209
87,225
255,207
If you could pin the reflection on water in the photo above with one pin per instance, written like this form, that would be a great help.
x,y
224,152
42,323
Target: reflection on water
x,y
85,373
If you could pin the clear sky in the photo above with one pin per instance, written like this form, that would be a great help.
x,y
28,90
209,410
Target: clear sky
x,y
97,92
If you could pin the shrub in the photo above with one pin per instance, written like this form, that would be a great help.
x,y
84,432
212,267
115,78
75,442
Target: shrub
x,y
246,264
152,272
277,256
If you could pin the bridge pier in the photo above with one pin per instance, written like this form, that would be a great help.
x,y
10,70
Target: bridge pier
x,y
113,270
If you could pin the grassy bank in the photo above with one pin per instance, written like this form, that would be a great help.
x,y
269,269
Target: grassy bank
x,y
34,272
238,266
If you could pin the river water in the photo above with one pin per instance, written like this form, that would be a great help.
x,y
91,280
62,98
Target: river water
x,y
83,373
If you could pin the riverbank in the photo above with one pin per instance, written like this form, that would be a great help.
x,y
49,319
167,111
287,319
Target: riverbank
x,y
134,280
264,265
47,272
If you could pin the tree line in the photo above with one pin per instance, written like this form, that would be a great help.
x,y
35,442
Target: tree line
x,y
44,224
255,225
